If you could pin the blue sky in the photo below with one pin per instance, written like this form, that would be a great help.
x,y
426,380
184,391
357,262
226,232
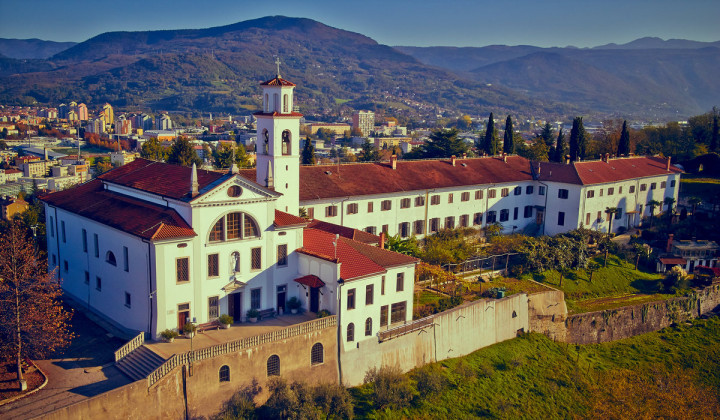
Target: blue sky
x,y
582,23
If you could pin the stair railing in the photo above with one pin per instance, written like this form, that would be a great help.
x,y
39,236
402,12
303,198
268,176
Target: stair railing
x,y
129,346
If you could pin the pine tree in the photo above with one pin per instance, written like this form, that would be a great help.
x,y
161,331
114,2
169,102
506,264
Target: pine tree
x,y
547,135
624,144
443,144
369,153
308,153
491,145
182,153
578,140
559,147
508,145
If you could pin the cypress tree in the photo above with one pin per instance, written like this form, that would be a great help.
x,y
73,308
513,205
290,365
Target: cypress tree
x,y
491,145
308,152
508,146
624,144
578,140
714,135
559,147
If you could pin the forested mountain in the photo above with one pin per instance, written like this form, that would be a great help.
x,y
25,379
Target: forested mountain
x,y
31,48
218,69
644,78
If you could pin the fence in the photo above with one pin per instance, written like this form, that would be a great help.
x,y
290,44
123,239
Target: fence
x,y
491,263
129,346
406,328
237,345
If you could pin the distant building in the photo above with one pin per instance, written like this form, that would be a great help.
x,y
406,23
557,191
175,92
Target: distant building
x,y
82,111
107,110
123,126
339,128
364,121
164,122
96,125
121,157
689,254
10,206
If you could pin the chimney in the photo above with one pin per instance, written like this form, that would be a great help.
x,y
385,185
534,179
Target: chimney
x,y
393,162
504,157
382,240
452,160
669,243
607,157
464,155
45,152
667,165
194,186
269,180
567,159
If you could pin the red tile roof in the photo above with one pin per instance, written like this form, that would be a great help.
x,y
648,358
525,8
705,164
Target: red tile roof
x,y
136,217
556,172
345,232
277,81
356,259
160,178
283,219
310,281
600,172
278,114
673,260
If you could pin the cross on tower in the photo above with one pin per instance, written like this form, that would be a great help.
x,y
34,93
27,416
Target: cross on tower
x,y
277,62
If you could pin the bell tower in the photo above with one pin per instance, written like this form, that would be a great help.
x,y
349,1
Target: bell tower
x,y
277,145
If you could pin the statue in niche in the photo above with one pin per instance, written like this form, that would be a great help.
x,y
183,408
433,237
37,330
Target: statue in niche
x,y
266,144
235,262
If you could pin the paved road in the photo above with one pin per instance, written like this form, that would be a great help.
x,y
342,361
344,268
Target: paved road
x,y
85,369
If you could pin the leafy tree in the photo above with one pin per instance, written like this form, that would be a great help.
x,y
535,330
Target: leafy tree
x,y
559,147
491,144
508,145
624,144
368,153
669,202
390,388
3,145
33,322
407,246
676,278
538,151
182,153
653,204
154,150
444,143
224,153
308,153
578,140
610,211
464,122
102,164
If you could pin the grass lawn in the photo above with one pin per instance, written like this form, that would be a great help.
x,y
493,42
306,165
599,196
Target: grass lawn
x,y
705,188
425,297
673,373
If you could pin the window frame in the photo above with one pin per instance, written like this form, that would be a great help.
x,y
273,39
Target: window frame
x,y
282,255
350,299
224,373
317,354
400,282
216,272
178,261
564,193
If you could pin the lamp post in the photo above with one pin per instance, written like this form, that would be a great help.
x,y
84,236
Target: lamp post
x,y
34,230
192,355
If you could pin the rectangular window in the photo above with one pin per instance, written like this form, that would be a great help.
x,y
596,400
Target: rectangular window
x,y
397,312
643,187
213,265
54,260
541,190
591,193
434,224
405,203
672,183
516,212
653,185
450,198
419,227
601,192
256,258
632,189
66,267
385,229
618,214
62,230
352,208
371,229
561,218
310,212
434,200
527,212
504,192
611,191
128,300
52,227
84,240
419,201
400,285
563,193
213,307
491,217
479,194
369,294
282,255
465,196
663,184
330,211
384,315
385,205
87,277
126,259
587,219
477,219
517,191
599,216
233,225
504,215
404,229
464,220
450,222
350,299
620,190
98,284
182,269
370,207
491,193
256,298
529,189
97,246
382,286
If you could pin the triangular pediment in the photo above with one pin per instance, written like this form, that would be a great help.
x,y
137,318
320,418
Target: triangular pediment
x,y
233,190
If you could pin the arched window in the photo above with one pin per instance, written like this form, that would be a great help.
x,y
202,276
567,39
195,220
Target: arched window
x,y
351,332
286,142
234,226
267,104
110,258
368,326
225,373
266,142
235,262
276,102
285,103
316,354
273,365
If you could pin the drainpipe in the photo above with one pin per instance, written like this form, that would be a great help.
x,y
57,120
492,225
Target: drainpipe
x,y
547,192
427,204
342,210
339,329
57,241
151,292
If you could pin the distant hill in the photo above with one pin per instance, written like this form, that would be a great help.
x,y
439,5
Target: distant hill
x,y
31,48
659,43
218,69
629,80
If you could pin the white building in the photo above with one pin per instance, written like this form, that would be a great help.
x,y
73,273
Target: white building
x,y
364,121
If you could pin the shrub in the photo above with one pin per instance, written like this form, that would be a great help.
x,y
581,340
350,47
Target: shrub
x,y
430,381
675,279
169,334
335,400
189,327
390,388
252,313
225,319
294,303
289,401
241,404
485,371
323,313
464,370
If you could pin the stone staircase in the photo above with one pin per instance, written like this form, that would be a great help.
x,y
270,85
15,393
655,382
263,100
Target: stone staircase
x,y
139,363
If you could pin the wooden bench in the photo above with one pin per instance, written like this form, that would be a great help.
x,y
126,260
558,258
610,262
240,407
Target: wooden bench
x,y
266,313
212,325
